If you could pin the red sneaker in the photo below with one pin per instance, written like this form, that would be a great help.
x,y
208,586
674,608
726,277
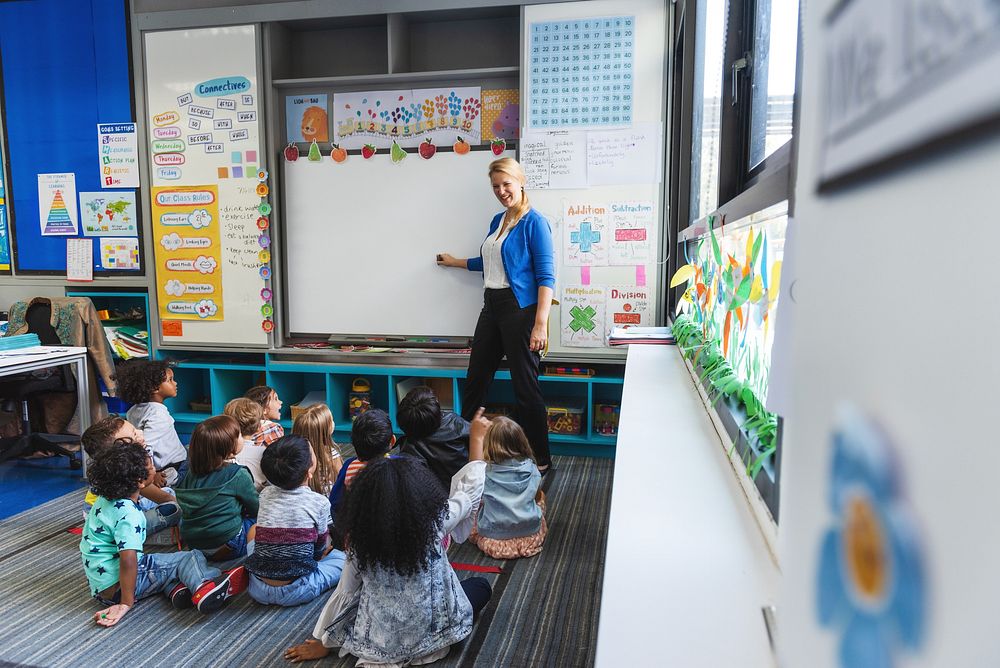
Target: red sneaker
x,y
180,597
239,580
213,594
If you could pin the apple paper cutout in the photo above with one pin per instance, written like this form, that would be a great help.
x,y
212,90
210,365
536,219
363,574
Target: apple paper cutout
x,y
291,152
427,149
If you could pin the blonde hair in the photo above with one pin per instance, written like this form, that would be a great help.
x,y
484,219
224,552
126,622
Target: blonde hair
x,y
511,167
506,440
247,412
316,425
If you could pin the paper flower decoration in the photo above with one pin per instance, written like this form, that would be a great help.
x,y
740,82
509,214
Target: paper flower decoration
x,y
871,582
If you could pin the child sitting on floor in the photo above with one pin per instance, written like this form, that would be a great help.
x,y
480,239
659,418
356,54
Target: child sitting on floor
x,y
439,438
147,383
316,425
217,496
270,429
156,503
248,414
399,601
372,438
118,573
292,562
511,518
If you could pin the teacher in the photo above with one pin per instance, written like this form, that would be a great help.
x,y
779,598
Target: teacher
x,y
518,274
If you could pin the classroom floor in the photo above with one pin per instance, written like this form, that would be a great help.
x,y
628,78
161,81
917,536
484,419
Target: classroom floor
x,y
544,611
27,483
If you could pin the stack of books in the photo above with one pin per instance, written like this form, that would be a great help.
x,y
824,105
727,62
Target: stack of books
x,y
623,336
128,342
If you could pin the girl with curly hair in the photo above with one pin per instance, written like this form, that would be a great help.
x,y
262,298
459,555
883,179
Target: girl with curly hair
x,y
147,384
399,601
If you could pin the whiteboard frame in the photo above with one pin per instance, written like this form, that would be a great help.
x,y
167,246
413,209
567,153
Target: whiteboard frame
x,y
544,198
188,341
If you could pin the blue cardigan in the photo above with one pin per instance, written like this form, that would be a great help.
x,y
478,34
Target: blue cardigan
x,y
526,254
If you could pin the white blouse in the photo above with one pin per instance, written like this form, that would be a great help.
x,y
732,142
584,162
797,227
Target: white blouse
x,y
494,275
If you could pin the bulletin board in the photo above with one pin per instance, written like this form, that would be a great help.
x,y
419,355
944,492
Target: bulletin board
x,y
210,216
59,84
596,172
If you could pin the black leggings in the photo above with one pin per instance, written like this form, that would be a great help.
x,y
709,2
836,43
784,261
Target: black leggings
x,y
478,591
505,328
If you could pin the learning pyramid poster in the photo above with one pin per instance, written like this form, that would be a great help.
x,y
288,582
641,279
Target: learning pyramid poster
x,y
57,212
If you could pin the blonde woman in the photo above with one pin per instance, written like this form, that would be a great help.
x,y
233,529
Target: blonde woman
x,y
518,275
316,425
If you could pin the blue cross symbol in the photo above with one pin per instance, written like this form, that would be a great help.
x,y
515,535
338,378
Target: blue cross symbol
x,y
586,237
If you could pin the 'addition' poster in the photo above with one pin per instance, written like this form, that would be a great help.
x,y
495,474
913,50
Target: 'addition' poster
x,y
188,252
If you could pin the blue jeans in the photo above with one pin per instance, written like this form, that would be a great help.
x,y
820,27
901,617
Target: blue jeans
x,y
238,543
162,572
303,589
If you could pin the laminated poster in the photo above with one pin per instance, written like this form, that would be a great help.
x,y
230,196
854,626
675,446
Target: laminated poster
x,y
119,253
57,204
306,118
407,117
119,155
107,214
582,317
188,251
631,231
585,235
629,306
501,114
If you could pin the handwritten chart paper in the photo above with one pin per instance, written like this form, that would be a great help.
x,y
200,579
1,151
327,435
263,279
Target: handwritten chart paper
x,y
580,73
79,260
557,160
619,157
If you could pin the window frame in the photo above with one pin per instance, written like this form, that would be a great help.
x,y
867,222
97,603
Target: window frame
x,y
743,191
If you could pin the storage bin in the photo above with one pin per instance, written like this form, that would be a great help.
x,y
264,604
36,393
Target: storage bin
x,y
565,417
311,399
606,418
360,398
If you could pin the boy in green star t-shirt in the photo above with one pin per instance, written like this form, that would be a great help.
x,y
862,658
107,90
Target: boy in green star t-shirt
x,y
117,571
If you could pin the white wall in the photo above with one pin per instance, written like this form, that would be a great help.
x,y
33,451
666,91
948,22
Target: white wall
x,y
897,313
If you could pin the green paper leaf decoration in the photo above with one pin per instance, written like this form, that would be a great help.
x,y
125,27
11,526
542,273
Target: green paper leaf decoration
x,y
742,293
716,251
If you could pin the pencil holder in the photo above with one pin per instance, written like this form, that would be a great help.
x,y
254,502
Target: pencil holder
x,y
360,398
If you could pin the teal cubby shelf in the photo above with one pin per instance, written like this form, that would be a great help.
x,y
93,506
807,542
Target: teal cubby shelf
x,y
219,377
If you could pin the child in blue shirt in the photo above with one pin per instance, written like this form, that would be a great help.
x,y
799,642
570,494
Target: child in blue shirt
x,y
118,573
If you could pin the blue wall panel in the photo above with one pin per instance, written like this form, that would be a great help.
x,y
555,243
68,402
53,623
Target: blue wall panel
x,y
65,69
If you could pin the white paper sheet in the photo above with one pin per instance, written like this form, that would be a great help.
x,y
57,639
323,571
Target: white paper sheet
x,y
79,259
620,157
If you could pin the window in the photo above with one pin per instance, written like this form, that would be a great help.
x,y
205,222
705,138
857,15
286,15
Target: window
x,y
709,47
736,104
773,82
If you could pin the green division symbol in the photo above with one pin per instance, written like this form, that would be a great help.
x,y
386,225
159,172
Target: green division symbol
x,y
583,318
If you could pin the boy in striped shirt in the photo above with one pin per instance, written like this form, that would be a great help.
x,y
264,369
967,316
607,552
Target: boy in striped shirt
x,y
292,562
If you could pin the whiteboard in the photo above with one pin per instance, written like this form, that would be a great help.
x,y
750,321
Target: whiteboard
x,y
648,108
361,239
176,62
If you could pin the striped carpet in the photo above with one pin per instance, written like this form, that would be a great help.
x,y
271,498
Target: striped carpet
x,y
544,611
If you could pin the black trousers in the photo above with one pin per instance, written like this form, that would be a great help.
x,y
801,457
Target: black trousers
x,y
478,591
504,328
